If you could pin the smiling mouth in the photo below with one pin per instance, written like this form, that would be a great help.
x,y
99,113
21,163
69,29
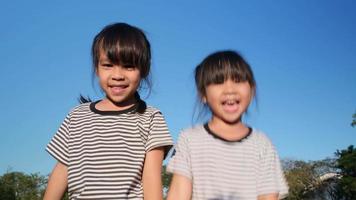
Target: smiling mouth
x,y
117,90
231,105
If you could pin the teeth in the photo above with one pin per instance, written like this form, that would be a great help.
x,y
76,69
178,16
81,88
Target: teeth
x,y
118,86
230,102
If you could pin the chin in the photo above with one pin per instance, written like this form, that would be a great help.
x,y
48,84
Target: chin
x,y
116,100
232,121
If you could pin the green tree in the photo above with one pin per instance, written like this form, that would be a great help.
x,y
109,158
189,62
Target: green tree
x,y
310,180
166,177
346,163
166,180
300,178
19,186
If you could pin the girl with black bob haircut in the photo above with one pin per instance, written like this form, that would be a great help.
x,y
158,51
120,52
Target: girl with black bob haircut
x,y
123,45
112,148
225,158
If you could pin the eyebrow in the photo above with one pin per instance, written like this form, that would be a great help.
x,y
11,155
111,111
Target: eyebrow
x,y
105,59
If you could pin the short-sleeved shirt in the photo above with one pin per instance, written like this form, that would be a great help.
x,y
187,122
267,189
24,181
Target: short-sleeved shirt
x,y
226,170
105,150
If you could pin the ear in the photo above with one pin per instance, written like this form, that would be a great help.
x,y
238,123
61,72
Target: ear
x,y
253,92
203,99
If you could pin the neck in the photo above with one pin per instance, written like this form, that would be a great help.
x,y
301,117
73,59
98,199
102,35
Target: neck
x,y
228,129
108,105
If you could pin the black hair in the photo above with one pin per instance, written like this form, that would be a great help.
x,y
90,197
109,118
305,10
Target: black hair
x,y
221,66
81,99
124,45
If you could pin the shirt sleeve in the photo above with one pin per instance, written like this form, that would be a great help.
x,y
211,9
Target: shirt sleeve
x,y
158,135
180,162
58,146
270,176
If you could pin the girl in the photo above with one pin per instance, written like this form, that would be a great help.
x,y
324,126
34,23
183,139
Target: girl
x,y
225,158
112,148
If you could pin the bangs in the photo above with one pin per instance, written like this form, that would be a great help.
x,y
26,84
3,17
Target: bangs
x,y
125,46
122,52
217,73
220,67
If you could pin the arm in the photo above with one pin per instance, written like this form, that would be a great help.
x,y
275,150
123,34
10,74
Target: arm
x,y
151,177
273,196
180,188
57,183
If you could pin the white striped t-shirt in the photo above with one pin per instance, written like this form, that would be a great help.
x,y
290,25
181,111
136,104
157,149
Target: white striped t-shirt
x,y
105,150
226,170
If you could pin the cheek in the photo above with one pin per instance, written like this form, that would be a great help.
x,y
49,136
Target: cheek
x,y
252,92
101,77
249,97
137,78
247,91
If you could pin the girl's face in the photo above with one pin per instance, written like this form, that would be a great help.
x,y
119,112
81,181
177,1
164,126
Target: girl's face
x,y
228,101
118,82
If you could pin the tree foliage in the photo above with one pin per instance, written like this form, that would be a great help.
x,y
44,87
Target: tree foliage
x,y
166,180
305,179
19,186
299,177
166,177
346,162
333,179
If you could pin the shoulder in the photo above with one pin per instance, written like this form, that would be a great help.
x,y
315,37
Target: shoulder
x,y
151,113
262,141
80,109
192,133
260,136
151,110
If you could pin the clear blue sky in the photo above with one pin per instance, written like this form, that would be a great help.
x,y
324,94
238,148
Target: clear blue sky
x,y
303,54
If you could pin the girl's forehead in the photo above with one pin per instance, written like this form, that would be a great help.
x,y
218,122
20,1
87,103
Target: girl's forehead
x,y
103,59
103,55
108,54
107,48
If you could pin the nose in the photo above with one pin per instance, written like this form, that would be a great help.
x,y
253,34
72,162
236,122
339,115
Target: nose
x,y
229,87
117,73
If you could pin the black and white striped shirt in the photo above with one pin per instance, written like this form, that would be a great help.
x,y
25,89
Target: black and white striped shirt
x,y
105,150
227,170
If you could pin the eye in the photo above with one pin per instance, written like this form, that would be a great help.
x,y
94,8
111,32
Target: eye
x,y
129,67
107,65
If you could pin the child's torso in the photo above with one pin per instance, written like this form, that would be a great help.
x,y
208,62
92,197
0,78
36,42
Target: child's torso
x,y
223,170
106,156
